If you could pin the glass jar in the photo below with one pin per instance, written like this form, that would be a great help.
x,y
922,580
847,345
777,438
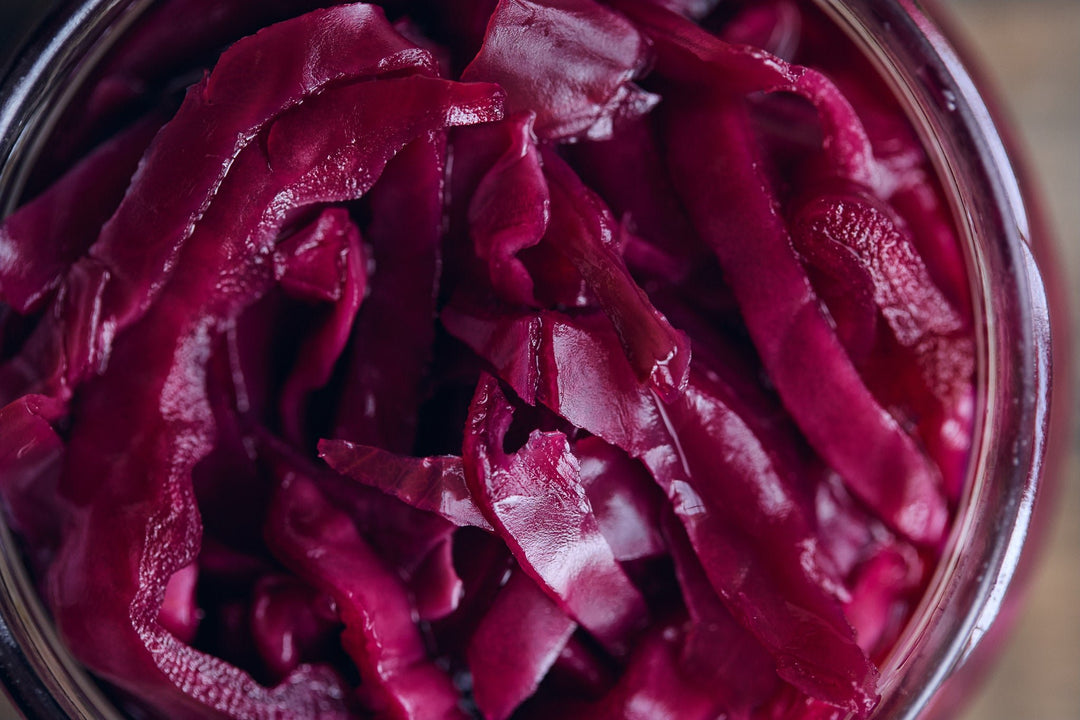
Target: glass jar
x,y
1019,344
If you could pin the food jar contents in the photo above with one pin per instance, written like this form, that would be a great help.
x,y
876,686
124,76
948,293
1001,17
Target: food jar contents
x,y
529,358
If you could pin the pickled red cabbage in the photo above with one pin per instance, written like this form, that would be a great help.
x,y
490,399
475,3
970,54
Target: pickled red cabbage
x,y
490,358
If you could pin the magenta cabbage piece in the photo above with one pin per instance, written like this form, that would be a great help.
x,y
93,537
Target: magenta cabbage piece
x,y
432,484
790,329
510,212
322,262
572,63
323,546
535,501
485,358
515,645
391,345
41,241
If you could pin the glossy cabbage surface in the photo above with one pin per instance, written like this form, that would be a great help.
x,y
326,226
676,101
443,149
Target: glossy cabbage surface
x,y
491,358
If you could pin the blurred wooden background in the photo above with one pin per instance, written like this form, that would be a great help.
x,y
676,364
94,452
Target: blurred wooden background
x,y
1031,51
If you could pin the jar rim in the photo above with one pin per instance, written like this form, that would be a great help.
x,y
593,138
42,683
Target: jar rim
x,y
959,132
38,674
966,148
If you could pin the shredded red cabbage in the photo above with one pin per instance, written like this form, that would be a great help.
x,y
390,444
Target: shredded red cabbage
x,y
492,358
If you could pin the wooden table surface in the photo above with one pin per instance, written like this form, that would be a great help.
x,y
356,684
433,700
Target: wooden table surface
x,y
1031,49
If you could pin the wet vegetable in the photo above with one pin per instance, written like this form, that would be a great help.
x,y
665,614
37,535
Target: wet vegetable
x,y
515,358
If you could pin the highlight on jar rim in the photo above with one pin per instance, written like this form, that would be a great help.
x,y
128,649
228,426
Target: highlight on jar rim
x,y
508,359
